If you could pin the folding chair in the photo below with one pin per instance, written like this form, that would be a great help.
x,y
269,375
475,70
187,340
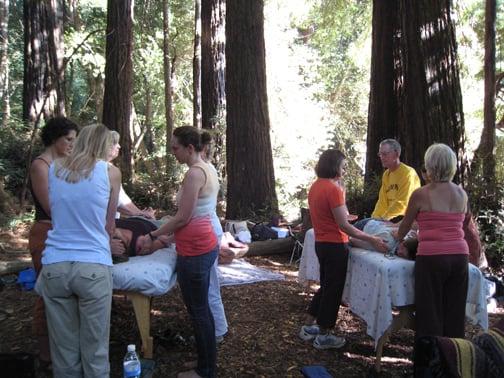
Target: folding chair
x,y
297,249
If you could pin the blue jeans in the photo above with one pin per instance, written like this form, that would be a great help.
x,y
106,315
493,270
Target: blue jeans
x,y
193,275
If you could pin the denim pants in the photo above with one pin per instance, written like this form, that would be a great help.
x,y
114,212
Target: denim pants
x,y
215,301
193,275
78,299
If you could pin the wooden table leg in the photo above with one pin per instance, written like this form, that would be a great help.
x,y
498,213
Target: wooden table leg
x,y
404,319
142,305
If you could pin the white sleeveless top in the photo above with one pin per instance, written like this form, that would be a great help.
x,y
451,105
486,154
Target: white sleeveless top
x,y
78,212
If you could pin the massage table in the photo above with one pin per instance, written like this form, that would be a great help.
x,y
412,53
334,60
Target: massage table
x,y
140,279
381,291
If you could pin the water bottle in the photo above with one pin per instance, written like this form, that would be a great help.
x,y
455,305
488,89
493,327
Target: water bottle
x,y
131,363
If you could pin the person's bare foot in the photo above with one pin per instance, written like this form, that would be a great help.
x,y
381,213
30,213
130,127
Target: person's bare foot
x,y
190,364
188,374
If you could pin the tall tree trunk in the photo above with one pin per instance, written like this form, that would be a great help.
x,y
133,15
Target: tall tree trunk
x,y
43,82
197,65
251,179
167,79
43,89
212,72
382,113
4,62
427,105
484,156
117,107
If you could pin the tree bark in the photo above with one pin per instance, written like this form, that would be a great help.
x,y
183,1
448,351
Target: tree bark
x,y
43,89
251,179
197,65
484,156
212,73
382,113
4,62
167,80
427,99
270,247
117,106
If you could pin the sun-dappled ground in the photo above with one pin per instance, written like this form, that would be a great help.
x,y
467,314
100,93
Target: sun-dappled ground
x,y
264,320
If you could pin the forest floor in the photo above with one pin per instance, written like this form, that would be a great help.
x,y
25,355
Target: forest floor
x,y
264,320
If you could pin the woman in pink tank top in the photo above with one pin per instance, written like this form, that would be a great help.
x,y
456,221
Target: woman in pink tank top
x,y
441,267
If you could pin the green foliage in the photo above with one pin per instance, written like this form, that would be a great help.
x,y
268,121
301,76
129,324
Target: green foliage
x,y
157,188
488,209
361,199
13,148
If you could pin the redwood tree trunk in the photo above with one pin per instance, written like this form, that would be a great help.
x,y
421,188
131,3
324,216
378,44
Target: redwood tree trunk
x,y
117,107
427,99
382,113
43,89
197,65
251,179
4,62
212,71
485,154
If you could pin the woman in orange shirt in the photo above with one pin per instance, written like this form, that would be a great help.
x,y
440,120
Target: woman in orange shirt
x,y
329,216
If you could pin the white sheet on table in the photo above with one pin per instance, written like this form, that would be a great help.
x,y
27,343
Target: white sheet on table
x,y
150,275
240,272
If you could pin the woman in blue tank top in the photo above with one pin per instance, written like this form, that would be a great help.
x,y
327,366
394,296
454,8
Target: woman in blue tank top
x,y
76,280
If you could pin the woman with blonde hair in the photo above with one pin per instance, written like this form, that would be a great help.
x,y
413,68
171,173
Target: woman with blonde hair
x,y
441,267
76,280
125,205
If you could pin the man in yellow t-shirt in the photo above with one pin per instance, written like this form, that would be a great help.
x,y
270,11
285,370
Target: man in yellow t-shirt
x,y
398,182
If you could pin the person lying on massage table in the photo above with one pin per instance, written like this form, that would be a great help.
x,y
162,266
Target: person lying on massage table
x,y
124,242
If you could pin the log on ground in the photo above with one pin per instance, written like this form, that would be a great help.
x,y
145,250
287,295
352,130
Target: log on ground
x,y
270,247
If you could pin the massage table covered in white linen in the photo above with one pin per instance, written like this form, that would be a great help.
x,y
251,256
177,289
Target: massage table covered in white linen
x,y
141,278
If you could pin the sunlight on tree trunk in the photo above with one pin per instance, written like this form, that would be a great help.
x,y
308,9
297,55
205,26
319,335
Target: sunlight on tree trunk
x,y
251,179
43,90
117,106
427,103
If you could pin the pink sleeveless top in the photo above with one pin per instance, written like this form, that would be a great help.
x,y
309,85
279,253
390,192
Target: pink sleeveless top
x,y
441,234
198,237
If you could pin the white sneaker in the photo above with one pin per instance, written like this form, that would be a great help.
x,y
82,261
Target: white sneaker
x,y
309,332
328,341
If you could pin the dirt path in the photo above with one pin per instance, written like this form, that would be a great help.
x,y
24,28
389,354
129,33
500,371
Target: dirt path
x,y
264,320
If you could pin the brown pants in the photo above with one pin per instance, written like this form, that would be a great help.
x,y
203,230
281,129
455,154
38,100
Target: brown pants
x,y
36,244
440,295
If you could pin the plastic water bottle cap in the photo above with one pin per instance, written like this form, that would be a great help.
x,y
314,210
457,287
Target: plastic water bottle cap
x,y
131,348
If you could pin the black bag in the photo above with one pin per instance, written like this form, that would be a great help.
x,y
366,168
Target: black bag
x,y
261,232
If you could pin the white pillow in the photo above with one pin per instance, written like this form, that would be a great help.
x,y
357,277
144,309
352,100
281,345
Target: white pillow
x,y
150,275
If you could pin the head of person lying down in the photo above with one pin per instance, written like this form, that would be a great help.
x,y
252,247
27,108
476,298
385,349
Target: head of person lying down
x,y
124,242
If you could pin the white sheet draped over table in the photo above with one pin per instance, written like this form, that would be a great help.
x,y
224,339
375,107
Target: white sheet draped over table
x,y
375,284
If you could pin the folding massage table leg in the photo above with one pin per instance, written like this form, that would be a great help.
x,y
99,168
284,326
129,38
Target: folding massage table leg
x,y
142,306
404,319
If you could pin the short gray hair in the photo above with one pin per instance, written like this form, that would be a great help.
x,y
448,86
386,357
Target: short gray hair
x,y
440,162
393,144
